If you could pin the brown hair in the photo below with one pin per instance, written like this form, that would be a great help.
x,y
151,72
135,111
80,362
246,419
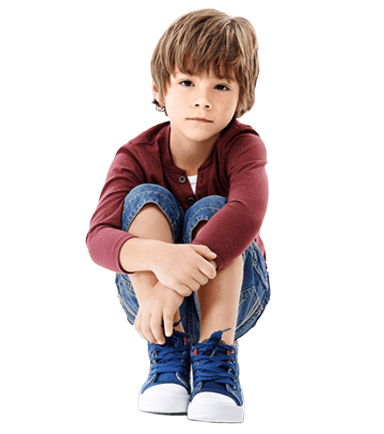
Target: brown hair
x,y
209,38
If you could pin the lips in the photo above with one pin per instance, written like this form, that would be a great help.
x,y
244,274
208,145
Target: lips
x,y
201,120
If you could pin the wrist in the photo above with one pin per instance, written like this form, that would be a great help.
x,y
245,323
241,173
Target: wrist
x,y
139,254
169,292
155,251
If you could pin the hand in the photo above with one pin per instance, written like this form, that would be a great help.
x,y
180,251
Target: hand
x,y
183,267
160,305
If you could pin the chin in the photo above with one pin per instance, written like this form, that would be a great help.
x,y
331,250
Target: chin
x,y
203,134
201,137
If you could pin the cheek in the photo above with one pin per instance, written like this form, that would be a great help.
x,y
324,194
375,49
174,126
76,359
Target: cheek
x,y
230,105
175,102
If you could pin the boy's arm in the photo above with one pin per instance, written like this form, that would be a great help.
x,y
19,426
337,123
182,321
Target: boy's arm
x,y
181,267
232,229
105,237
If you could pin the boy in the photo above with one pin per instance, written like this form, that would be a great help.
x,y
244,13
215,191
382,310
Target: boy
x,y
179,218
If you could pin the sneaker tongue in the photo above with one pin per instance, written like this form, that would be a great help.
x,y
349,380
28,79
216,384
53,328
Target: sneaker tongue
x,y
209,340
216,337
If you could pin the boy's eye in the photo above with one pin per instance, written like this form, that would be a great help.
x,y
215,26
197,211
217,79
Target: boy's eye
x,y
222,87
188,83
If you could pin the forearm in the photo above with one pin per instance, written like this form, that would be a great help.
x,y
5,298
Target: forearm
x,y
180,267
137,254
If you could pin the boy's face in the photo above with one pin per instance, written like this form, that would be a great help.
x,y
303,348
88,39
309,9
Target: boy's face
x,y
205,97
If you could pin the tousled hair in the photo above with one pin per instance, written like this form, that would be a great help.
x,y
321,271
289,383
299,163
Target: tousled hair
x,y
205,39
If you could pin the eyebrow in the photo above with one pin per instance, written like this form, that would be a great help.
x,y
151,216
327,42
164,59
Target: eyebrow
x,y
196,75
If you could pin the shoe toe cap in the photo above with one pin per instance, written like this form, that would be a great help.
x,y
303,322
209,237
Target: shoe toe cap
x,y
215,407
164,398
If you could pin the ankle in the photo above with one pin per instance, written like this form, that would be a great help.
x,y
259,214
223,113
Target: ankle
x,y
228,336
179,328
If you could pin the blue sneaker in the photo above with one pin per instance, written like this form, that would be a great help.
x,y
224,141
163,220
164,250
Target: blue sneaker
x,y
167,389
217,395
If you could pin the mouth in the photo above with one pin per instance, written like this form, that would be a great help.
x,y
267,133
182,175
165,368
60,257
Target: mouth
x,y
200,120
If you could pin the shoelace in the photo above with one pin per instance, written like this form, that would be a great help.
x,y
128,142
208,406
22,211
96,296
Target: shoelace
x,y
214,362
170,357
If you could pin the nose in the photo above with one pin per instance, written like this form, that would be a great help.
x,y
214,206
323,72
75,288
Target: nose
x,y
205,105
203,100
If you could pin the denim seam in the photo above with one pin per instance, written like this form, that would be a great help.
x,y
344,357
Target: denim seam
x,y
201,209
257,312
172,223
252,310
200,219
152,201
128,286
252,321
127,308
257,267
258,270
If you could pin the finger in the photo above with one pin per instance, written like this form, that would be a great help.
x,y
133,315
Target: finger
x,y
193,285
183,290
210,255
168,323
156,329
204,251
146,330
208,269
137,324
201,278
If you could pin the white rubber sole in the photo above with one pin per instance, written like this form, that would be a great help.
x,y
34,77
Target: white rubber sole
x,y
215,407
164,399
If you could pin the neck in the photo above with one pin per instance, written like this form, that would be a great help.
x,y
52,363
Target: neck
x,y
189,156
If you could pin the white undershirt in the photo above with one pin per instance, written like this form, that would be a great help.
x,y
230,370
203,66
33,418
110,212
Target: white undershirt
x,y
192,181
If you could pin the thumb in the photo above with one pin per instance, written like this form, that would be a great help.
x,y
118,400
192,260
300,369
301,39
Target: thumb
x,y
204,251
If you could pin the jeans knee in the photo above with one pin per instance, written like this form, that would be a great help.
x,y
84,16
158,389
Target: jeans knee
x,y
147,189
203,210
145,194
213,202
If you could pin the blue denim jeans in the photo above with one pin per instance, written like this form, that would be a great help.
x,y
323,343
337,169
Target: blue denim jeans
x,y
255,291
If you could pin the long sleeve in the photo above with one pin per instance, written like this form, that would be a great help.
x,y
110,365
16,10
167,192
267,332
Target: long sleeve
x,y
105,237
232,229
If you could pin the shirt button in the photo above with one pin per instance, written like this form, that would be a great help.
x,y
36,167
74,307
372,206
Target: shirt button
x,y
191,200
182,179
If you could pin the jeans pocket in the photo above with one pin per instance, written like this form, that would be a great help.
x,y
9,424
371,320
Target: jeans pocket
x,y
127,297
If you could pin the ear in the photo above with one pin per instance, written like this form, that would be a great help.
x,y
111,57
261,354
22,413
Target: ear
x,y
239,107
156,94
